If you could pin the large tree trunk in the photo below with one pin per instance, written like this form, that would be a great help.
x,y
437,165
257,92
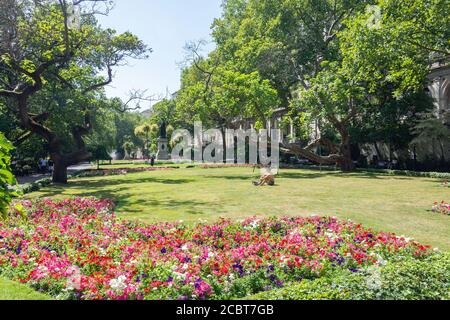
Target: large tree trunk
x,y
346,164
61,161
339,155
346,161
60,170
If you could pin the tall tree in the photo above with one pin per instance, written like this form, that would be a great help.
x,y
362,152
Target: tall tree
x,y
338,61
46,49
289,42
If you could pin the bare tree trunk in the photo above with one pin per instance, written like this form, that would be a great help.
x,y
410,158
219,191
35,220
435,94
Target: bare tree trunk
x,y
346,162
339,155
60,170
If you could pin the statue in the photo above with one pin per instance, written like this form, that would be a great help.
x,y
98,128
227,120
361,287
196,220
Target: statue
x,y
163,150
163,130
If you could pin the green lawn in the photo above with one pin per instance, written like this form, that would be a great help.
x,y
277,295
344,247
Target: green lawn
x,y
13,291
397,204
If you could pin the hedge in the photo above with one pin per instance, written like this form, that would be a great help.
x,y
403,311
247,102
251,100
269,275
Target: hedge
x,y
412,279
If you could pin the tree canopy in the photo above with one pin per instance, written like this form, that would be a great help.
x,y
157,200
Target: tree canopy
x,y
54,62
340,64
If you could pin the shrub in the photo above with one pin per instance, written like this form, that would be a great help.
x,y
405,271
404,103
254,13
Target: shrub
x,y
406,279
34,186
7,179
407,173
416,279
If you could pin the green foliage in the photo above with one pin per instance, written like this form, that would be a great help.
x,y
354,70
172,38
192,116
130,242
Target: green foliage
x,y
164,111
61,70
320,289
432,130
7,179
356,68
125,124
129,148
34,186
148,133
99,153
427,279
219,99
406,279
396,41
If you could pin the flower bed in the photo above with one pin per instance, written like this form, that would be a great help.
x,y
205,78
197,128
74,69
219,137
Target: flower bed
x,y
442,207
79,249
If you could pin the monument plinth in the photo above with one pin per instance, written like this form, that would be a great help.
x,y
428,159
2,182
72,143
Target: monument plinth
x,y
163,150
163,143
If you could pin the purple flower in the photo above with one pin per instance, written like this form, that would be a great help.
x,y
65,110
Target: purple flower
x,y
19,248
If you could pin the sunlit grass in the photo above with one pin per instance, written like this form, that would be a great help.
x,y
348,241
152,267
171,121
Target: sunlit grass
x,y
396,204
10,290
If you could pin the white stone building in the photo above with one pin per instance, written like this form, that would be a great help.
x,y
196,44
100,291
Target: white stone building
x,y
439,86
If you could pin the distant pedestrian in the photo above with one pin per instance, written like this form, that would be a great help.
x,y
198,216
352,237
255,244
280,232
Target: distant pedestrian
x,y
152,161
41,165
51,166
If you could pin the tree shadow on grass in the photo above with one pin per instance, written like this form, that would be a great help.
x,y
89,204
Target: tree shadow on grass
x,y
143,205
338,174
230,177
89,183
299,175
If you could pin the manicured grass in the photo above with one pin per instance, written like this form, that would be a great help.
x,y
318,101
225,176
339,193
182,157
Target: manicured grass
x,y
10,290
387,203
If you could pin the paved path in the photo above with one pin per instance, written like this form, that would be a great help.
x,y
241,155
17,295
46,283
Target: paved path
x,y
32,178
80,166
38,176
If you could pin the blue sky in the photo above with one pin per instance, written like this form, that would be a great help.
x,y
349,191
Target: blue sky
x,y
165,26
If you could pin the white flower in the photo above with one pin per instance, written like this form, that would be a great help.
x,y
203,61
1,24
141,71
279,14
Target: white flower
x,y
179,276
381,261
252,225
118,284
185,247
374,281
